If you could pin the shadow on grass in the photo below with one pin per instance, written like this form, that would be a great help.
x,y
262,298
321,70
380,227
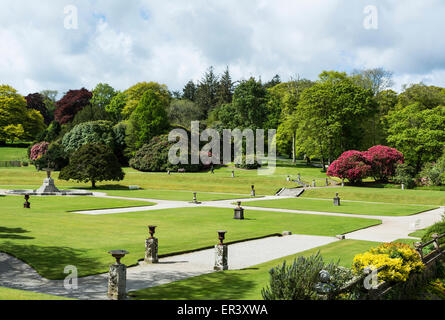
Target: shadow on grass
x,y
50,261
9,233
107,187
227,285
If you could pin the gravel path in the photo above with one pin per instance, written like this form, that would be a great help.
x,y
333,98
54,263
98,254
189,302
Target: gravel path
x,y
18,275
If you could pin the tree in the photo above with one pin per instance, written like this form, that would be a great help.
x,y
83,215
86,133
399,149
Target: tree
x,y
71,103
428,97
154,157
50,98
272,83
102,95
383,161
135,93
36,101
249,102
183,112
189,91
224,92
206,93
351,165
90,113
148,120
45,155
377,79
282,103
97,132
330,116
93,163
16,120
116,106
418,132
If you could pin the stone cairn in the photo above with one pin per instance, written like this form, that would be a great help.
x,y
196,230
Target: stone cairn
x,y
117,277
151,247
221,253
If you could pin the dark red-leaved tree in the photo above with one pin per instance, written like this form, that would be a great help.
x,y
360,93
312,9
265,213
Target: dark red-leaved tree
x,y
36,101
383,161
351,165
71,103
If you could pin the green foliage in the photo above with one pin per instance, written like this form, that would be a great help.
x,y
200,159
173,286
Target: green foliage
x,y
51,133
153,157
135,93
405,174
56,157
298,281
206,92
90,113
116,106
102,95
119,131
438,228
150,119
418,132
245,165
98,132
183,112
16,120
249,102
331,115
434,173
93,163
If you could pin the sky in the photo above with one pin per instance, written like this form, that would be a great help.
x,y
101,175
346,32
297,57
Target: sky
x,y
70,44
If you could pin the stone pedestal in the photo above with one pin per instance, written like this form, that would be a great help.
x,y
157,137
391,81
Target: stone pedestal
x,y
313,184
221,257
117,282
151,251
337,201
48,186
239,213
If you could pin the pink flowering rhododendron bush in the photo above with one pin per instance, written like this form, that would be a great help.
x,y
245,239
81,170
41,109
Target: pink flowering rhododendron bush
x,y
383,161
351,165
379,162
38,150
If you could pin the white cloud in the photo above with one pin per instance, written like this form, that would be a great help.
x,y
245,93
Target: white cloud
x,y
173,41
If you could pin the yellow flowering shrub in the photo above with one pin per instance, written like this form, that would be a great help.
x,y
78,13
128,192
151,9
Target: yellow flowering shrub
x,y
401,260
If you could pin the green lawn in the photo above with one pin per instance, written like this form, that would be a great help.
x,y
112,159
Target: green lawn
x,y
322,205
245,284
426,197
176,195
48,237
12,294
8,154
220,182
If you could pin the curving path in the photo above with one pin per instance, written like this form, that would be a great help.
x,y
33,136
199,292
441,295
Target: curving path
x,y
18,275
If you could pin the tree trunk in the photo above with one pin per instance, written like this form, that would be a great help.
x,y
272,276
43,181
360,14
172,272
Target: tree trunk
x,y
93,184
323,161
293,147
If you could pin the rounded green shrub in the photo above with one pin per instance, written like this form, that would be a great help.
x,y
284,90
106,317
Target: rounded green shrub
x,y
153,157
